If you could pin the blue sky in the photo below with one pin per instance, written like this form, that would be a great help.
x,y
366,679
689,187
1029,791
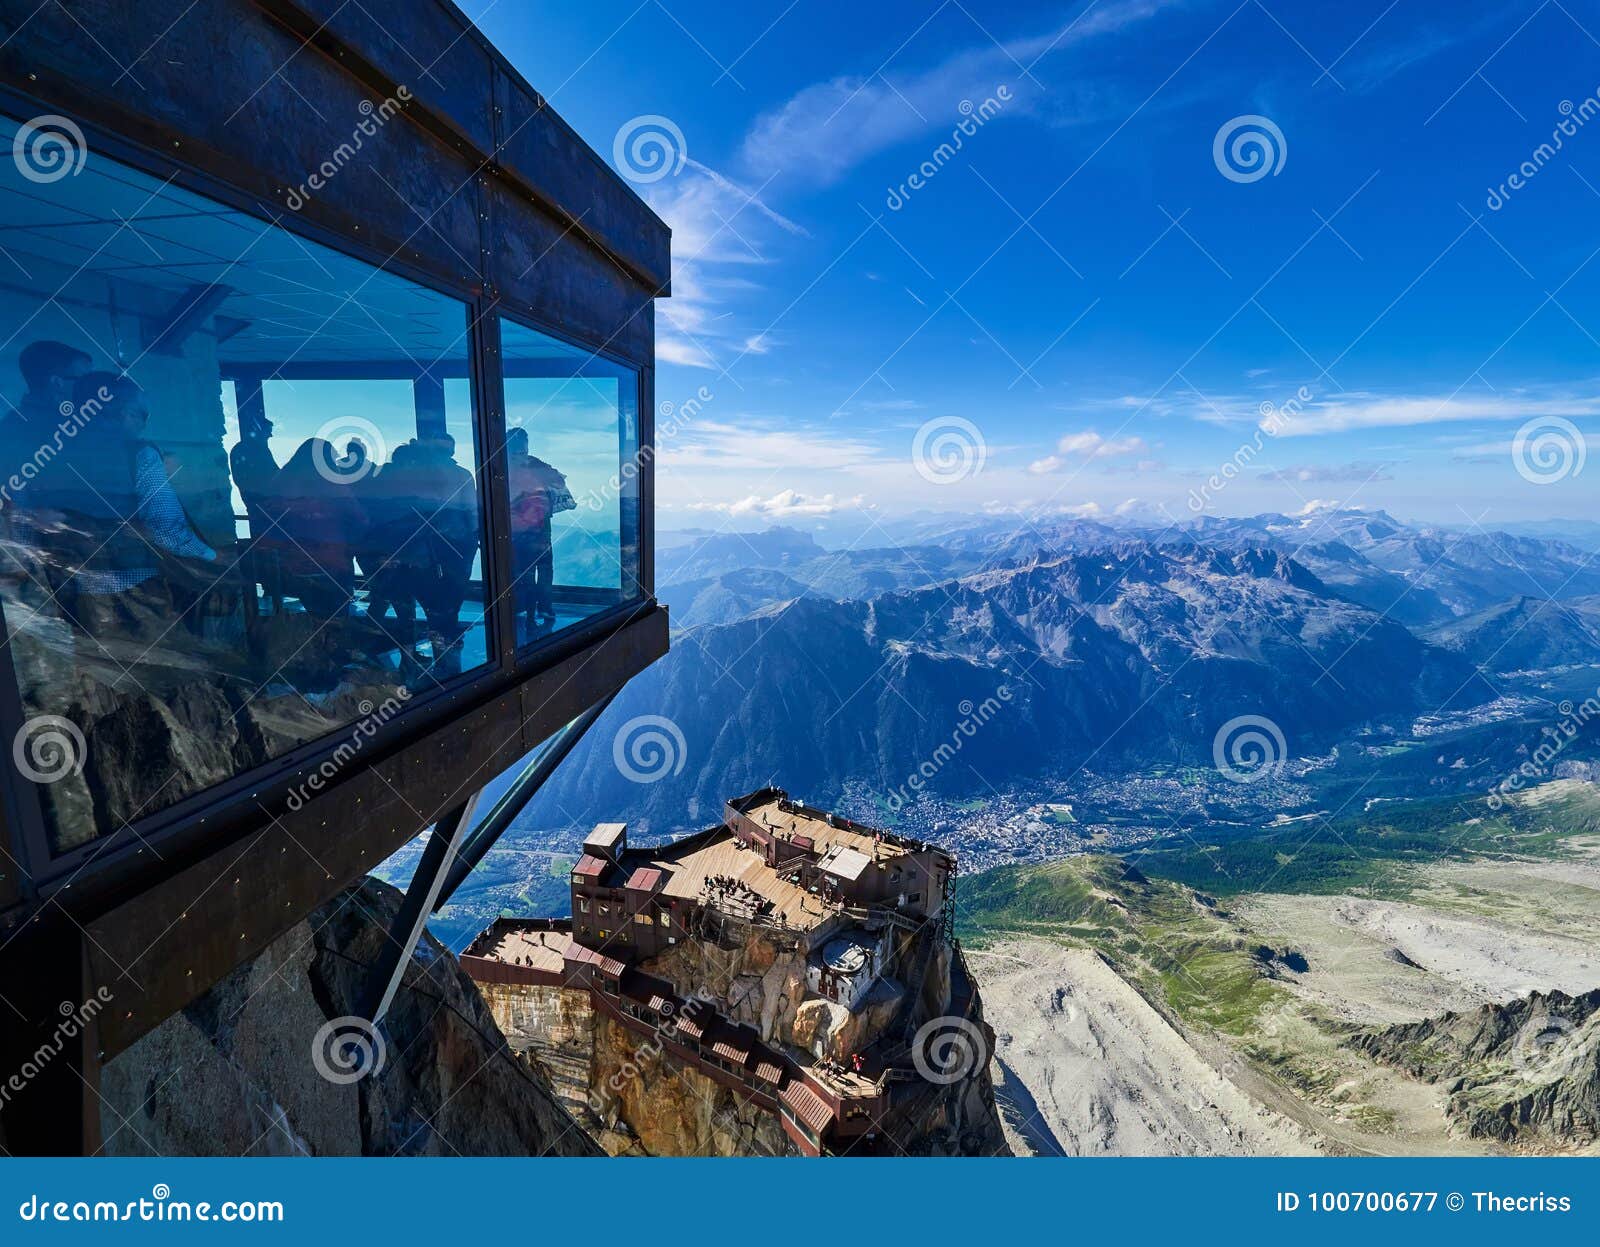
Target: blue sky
x,y
1080,298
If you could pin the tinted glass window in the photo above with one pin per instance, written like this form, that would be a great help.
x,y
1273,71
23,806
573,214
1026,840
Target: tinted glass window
x,y
240,507
572,448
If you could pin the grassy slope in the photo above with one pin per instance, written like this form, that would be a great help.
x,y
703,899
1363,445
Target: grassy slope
x,y
1181,949
1180,953
1371,853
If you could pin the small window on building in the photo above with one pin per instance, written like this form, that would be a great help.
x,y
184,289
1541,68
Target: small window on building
x,y
583,904
644,920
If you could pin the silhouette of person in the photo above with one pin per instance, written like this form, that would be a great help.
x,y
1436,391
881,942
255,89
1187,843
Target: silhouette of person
x,y
318,524
127,525
35,430
538,492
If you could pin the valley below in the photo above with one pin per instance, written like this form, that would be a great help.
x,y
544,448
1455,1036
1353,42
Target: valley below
x,y
1378,933
1449,1009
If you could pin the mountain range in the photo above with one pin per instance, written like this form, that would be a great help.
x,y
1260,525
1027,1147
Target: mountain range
x,y
1117,648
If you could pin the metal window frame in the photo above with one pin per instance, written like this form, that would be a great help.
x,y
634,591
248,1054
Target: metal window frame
x,y
42,872
526,656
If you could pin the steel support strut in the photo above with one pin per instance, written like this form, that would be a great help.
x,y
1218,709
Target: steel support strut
x,y
407,928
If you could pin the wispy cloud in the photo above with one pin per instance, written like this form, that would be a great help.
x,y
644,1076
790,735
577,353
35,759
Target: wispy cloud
x,y
725,227
1349,412
760,445
828,128
1329,473
721,232
787,504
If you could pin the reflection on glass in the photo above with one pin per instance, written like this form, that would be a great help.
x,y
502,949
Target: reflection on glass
x,y
238,494
572,450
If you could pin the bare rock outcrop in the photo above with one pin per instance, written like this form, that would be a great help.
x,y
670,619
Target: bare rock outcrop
x,y
241,1072
1526,1072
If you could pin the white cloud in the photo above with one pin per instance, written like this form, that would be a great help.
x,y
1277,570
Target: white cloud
x,y
830,127
1371,411
1328,473
719,232
765,446
1091,445
788,504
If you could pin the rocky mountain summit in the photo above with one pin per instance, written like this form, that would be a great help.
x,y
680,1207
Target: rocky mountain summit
x,y
1526,1072
1120,654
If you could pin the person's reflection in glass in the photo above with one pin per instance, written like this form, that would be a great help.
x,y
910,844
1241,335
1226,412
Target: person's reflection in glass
x,y
255,474
33,431
538,492
449,510
134,541
318,524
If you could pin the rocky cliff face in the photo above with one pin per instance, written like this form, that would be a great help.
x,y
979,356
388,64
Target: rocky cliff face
x,y
636,1098
1526,1072
649,1104
248,1068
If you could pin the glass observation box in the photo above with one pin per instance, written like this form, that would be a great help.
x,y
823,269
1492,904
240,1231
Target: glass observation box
x,y
256,489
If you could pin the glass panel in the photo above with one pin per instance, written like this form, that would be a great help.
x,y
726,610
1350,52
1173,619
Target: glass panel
x,y
572,445
240,507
